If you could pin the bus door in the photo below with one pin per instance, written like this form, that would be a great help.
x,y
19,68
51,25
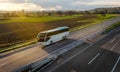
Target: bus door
x,y
47,37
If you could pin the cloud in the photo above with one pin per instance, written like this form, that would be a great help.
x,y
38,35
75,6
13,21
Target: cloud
x,y
20,6
26,6
4,0
100,3
58,7
51,9
54,8
57,4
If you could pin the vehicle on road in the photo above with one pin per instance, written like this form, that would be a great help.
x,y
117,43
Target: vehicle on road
x,y
48,37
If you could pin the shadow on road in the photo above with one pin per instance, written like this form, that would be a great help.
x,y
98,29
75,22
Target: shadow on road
x,y
58,45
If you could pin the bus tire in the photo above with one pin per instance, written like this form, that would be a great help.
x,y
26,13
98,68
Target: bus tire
x,y
51,42
64,37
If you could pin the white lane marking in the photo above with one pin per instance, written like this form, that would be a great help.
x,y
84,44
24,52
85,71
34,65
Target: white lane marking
x,y
73,56
22,53
115,44
115,65
79,52
69,59
112,40
3,64
93,58
117,30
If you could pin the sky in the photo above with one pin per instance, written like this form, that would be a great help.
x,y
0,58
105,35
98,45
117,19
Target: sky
x,y
41,5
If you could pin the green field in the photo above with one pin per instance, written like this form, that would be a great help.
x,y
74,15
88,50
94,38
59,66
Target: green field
x,y
48,18
22,31
37,19
95,21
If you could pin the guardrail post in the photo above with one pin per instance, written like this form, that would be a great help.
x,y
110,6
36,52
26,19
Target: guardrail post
x,y
59,52
30,68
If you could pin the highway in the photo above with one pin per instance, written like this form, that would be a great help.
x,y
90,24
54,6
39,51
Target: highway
x,y
19,59
102,56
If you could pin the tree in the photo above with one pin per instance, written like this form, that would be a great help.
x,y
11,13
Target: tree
x,y
49,13
71,12
60,13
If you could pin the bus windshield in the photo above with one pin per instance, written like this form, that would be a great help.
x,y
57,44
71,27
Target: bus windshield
x,y
42,35
41,40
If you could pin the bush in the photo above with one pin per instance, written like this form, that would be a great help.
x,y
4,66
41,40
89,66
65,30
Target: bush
x,y
112,27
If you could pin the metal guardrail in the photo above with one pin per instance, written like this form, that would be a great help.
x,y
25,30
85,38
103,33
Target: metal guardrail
x,y
33,66
55,54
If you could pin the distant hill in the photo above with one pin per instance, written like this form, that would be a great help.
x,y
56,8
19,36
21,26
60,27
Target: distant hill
x,y
113,10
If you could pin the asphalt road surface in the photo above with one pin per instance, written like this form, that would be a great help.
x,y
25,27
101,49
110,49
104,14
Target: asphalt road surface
x,y
103,56
11,62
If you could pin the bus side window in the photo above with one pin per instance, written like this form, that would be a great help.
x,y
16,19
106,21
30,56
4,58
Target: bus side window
x,y
57,32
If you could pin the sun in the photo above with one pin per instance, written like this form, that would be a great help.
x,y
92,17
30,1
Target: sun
x,y
9,6
20,6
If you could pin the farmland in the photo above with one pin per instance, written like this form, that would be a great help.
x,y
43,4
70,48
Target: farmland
x,y
14,31
37,19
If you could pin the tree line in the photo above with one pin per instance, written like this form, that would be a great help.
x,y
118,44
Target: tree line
x,y
22,13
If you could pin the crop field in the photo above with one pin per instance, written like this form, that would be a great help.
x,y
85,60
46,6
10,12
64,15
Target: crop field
x,y
37,19
19,30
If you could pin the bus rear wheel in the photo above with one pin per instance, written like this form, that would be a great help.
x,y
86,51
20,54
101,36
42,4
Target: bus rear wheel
x,y
51,42
64,37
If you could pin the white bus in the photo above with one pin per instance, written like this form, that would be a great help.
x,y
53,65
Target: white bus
x,y
51,36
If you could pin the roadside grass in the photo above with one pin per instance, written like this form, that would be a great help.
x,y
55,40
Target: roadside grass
x,y
107,16
33,41
89,22
98,20
108,29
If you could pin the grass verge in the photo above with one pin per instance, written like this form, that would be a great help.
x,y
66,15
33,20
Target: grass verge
x,y
18,46
108,29
92,22
98,20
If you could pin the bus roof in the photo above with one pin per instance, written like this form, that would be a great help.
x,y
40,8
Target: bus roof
x,y
56,29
